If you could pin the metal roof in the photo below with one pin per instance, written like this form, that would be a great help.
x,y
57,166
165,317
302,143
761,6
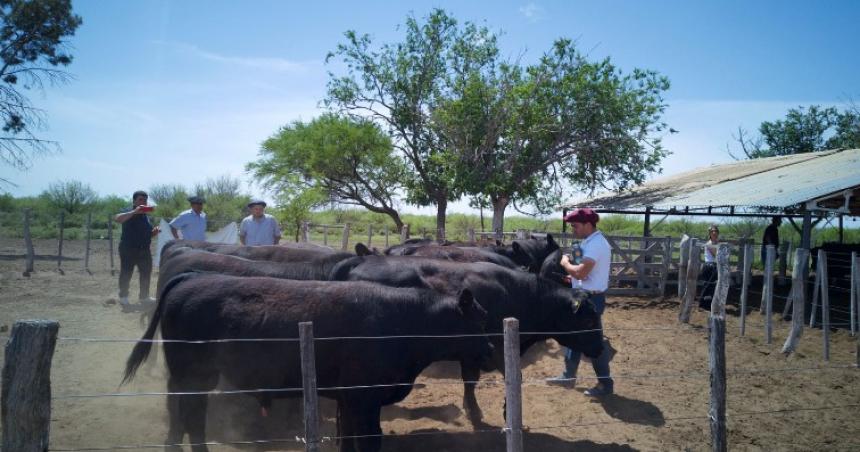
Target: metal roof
x,y
775,183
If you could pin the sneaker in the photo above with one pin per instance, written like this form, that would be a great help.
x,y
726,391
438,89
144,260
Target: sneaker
x,y
125,305
561,380
147,301
599,390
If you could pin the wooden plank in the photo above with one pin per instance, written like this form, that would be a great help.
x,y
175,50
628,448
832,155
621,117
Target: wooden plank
x,y
747,276
344,244
717,368
513,387
89,237
767,294
28,245
60,243
682,264
309,387
798,290
692,280
825,304
110,243
26,389
853,299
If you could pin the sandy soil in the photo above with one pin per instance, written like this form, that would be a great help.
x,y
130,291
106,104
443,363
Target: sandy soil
x,y
661,400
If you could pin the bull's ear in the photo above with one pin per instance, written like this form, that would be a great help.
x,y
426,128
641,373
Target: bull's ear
x,y
550,242
362,250
466,300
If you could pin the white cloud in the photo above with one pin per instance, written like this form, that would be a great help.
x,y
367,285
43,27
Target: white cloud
x,y
532,12
264,63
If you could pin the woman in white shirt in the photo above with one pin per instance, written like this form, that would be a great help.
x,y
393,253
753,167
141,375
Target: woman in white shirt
x,y
708,275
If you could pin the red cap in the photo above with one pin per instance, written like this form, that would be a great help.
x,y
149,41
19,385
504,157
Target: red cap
x,y
584,215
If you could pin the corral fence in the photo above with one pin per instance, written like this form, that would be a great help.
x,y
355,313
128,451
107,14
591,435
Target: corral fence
x,y
26,387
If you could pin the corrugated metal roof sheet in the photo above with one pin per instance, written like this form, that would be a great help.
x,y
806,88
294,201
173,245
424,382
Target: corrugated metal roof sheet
x,y
778,182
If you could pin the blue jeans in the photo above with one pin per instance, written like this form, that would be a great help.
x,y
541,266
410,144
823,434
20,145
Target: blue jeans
x,y
601,363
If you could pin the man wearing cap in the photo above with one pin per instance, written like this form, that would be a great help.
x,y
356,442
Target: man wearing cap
x,y
192,222
592,275
259,228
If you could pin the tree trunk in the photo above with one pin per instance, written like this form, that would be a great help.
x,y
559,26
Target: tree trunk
x,y
441,207
398,223
500,203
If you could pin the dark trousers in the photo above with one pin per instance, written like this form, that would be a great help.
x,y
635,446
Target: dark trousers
x,y
709,278
599,364
129,257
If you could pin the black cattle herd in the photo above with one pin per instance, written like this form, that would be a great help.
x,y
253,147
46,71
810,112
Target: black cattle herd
x,y
381,318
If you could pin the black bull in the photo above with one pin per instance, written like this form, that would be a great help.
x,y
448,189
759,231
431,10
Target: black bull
x,y
208,307
545,309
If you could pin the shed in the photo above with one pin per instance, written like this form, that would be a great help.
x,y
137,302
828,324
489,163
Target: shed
x,y
801,186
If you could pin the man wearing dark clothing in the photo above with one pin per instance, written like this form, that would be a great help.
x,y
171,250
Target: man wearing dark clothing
x,y
771,236
137,233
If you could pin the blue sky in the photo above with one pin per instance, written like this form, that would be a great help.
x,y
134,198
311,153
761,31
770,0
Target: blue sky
x,y
178,91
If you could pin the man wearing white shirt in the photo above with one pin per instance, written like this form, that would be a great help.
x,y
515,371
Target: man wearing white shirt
x,y
259,228
192,222
592,275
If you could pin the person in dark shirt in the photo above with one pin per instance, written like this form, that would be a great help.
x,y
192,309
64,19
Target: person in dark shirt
x,y
771,236
137,234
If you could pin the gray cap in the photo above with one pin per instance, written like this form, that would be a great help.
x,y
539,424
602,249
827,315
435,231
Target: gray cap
x,y
196,199
255,202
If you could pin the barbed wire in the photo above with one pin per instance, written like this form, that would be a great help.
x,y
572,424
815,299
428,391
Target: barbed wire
x,y
449,382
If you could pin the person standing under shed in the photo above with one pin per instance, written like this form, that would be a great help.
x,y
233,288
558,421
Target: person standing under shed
x,y
192,222
771,236
259,228
592,275
134,243
708,275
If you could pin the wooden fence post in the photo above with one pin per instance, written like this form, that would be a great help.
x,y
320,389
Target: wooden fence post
x,y
110,243
692,279
747,266
825,303
853,293
309,386
386,236
818,288
325,234
28,243
717,353
26,392
767,294
471,234
369,235
513,387
440,235
783,260
60,243
89,237
344,245
682,264
798,297
404,233
305,231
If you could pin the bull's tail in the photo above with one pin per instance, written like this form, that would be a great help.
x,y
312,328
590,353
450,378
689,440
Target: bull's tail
x,y
141,349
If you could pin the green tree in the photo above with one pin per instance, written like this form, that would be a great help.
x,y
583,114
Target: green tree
x,y
804,129
295,206
70,196
32,46
399,85
522,133
351,160
171,199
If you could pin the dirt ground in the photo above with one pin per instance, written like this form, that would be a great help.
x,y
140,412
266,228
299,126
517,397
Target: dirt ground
x,y
775,402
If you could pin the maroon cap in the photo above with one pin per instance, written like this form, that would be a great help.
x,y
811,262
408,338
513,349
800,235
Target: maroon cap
x,y
584,215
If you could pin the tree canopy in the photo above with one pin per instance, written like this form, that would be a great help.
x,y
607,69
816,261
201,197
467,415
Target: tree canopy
x,y
32,47
523,133
350,160
804,129
399,85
